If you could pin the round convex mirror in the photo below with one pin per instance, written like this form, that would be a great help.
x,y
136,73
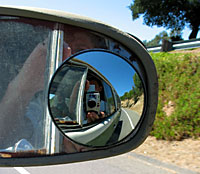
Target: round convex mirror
x,y
96,98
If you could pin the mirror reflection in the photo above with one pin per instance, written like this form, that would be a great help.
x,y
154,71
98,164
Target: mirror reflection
x,y
30,53
96,98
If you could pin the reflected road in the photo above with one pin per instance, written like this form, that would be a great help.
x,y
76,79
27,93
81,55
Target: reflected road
x,y
129,120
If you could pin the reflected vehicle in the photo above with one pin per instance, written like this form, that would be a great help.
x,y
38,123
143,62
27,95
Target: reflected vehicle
x,y
74,94
69,103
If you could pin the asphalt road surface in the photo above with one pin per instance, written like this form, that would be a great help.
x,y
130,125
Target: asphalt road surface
x,y
129,120
129,163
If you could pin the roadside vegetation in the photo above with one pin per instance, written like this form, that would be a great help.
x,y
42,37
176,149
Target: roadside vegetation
x,y
178,112
135,92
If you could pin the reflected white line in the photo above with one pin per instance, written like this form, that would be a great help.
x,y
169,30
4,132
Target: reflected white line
x,y
132,126
21,170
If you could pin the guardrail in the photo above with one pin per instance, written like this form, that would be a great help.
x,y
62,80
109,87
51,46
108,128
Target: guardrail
x,y
177,45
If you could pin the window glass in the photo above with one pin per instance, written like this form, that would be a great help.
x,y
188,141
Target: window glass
x,y
117,98
109,99
24,53
64,94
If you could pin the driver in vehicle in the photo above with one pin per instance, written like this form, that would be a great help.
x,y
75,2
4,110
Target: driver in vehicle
x,y
94,105
94,112
17,121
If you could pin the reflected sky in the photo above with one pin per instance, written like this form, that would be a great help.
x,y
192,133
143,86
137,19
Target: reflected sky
x,y
114,68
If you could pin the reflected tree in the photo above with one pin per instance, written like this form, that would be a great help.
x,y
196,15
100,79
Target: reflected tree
x,y
135,92
137,89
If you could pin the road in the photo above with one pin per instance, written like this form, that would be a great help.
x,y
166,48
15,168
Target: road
x,y
129,120
129,163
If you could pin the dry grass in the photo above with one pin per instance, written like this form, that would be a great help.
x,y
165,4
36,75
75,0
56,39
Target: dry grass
x,y
184,153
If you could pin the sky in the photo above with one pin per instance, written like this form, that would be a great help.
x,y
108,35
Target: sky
x,y
116,70
113,12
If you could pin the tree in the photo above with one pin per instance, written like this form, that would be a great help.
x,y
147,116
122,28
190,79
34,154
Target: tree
x,y
176,35
158,39
171,14
173,36
137,89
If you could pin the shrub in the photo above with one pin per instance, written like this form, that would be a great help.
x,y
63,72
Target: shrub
x,y
179,91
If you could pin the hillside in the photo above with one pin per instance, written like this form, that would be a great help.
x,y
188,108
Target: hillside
x,y
137,107
172,111
178,113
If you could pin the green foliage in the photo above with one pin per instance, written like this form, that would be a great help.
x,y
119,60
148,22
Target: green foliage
x,y
136,90
179,83
158,39
127,95
173,36
170,14
176,35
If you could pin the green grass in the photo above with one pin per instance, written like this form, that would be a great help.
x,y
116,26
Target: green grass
x,y
179,84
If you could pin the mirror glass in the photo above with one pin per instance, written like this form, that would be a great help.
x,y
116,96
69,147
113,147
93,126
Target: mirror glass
x,y
96,98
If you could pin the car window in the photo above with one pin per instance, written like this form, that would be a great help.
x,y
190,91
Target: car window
x,y
110,103
64,94
117,99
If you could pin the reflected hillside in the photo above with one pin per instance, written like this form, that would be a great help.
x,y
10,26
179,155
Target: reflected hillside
x,y
134,99
130,104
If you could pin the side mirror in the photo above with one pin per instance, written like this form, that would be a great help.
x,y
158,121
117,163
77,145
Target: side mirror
x,y
97,117
72,89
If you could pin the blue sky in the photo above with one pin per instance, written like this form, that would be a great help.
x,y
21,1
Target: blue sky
x,y
116,70
112,12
